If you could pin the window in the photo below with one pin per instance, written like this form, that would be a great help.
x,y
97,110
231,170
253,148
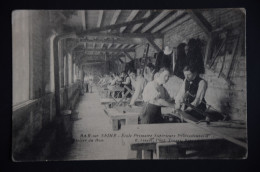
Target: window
x,y
21,56
69,70
52,87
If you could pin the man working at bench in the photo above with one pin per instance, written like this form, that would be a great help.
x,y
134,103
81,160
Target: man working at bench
x,y
142,81
192,92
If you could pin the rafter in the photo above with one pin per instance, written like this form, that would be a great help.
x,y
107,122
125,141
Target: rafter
x,y
130,46
118,45
118,41
100,17
201,21
109,45
169,20
152,43
156,20
120,60
82,13
130,18
115,17
125,45
92,62
147,14
105,50
122,35
87,32
101,45
176,23
127,55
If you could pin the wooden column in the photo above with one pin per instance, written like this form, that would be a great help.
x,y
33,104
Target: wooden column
x,y
56,74
208,52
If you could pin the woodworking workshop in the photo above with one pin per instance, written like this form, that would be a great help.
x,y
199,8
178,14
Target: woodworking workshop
x,y
129,84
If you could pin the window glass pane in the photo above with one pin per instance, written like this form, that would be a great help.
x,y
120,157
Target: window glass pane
x,y
20,43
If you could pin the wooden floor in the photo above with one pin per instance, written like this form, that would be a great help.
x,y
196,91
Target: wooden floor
x,y
93,120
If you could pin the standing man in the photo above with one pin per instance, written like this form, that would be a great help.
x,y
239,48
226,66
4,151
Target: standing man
x,y
86,83
192,92
90,82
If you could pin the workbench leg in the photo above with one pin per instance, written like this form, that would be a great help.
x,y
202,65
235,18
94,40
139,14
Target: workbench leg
x,y
115,124
147,154
139,154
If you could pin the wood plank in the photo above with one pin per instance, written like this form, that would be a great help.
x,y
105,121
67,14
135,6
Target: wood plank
x,y
167,21
201,21
137,26
100,17
117,41
109,45
120,61
119,35
130,18
115,17
118,45
82,13
152,43
125,45
106,50
209,49
115,26
101,45
156,20
219,133
176,23
128,55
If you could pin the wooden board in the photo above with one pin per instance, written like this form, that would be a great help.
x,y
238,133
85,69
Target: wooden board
x,y
185,116
230,131
129,118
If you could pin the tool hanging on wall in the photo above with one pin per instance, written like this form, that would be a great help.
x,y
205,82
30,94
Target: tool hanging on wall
x,y
145,56
231,67
218,51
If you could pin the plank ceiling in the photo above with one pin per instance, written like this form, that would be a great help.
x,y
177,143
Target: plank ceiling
x,y
102,36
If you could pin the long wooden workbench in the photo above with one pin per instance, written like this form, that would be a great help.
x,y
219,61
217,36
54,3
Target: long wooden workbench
x,y
123,116
150,138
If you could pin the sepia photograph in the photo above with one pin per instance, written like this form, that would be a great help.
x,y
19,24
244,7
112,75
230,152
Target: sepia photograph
x,y
132,84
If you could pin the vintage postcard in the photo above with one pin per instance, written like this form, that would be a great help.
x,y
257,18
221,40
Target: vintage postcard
x,y
129,84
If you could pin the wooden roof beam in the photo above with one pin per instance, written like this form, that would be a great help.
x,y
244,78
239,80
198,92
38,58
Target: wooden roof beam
x,y
130,46
106,50
93,62
115,17
122,41
147,14
125,45
163,14
109,45
176,23
100,17
82,13
128,55
201,21
175,16
130,18
121,35
152,43
115,26
101,45
118,45
118,58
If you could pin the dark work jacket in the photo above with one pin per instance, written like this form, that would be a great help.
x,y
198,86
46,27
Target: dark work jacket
x,y
163,60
